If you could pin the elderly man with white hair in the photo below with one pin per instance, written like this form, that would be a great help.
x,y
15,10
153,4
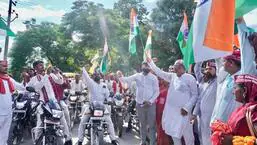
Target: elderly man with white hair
x,y
182,96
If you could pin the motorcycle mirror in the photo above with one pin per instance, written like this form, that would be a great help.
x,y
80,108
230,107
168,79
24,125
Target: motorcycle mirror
x,y
30,89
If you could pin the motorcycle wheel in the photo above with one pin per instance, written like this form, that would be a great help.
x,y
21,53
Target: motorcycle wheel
x,y
72,118
50,140
15,137
98,138
119,126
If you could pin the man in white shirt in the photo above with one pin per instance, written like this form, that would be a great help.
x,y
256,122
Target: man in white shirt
x,y
42,84
147,90
182,96
7,87
98,92
77,85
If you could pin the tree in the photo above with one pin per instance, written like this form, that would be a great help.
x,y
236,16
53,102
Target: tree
x,y
124,7
167,19
46,38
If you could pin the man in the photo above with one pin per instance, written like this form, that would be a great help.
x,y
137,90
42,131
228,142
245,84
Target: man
x,y
182,96
59,84
77,85
171,69
207,95
234,64
118,87
7,87
147,90
97,92
42,84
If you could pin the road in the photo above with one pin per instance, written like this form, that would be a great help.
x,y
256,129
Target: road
x,y
127,138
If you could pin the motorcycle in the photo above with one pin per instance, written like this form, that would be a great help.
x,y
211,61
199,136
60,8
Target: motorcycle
x,y
24,116
133,122
75,106
118,111
52,133
96,126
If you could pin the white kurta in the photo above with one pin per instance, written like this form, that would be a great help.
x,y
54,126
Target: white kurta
x,y
205,105
182,93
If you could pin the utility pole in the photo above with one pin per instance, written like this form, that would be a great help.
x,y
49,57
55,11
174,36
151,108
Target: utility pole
x,y
8,24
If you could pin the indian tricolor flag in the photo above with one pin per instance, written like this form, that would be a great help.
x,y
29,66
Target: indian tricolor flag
x,y
183,35
94,62
213,29
148,46
104,62
4,30
134,31
244,6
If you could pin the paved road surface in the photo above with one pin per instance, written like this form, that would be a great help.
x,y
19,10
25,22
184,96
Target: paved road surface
x,y
127,138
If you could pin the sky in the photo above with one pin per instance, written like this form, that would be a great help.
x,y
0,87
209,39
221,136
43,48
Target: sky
x,y
53,10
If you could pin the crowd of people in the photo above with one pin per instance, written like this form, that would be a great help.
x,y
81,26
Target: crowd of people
x,y
212,103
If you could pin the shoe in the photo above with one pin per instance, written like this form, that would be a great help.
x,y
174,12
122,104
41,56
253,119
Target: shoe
x,y
69,142
79,143
115,142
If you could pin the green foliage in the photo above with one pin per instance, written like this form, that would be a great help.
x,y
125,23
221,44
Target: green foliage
x,y
167,18
90,23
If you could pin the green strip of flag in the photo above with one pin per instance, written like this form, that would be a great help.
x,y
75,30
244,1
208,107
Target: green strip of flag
x,y
4,30
244,6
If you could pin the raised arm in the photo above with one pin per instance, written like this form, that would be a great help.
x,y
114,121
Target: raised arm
x,y
164,75
129,79
198,71
87,78
248,65
58,79
156,90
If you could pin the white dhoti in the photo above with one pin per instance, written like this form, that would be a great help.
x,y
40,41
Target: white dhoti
x,y
5,124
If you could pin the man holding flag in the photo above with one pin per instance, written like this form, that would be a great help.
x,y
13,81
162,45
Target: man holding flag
x,y
182,96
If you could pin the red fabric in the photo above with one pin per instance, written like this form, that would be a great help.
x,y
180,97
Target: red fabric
x,y
219,129
250,82
238,123
10,84
114,86
236,55
58,90
162,137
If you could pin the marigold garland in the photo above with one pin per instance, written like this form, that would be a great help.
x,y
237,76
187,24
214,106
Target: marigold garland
x,y
240,140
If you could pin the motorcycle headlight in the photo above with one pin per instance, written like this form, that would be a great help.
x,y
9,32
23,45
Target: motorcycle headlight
x,y
20,105
119,102
98,113
33,104
73,98
57,113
